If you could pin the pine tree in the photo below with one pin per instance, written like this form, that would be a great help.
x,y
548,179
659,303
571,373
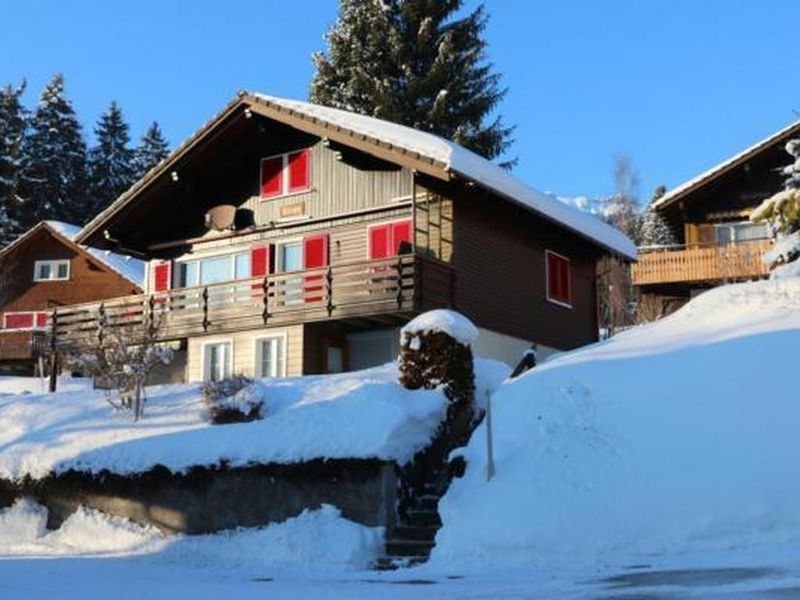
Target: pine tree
x,y
111,161
655,231
781,212
418,63
54,180
13,125
152,149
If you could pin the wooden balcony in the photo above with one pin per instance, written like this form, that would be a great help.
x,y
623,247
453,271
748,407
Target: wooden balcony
x,y
379,289
21,345
701,263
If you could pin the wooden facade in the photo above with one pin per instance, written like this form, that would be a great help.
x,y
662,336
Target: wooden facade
x,y
460,246
89,280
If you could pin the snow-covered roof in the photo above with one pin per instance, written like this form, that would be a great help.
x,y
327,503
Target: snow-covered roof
x,y
725,166
130,268
466,163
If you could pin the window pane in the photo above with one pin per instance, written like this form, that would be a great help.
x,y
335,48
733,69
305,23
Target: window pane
x,y
750,231
292,257
63,269
218,361
724,234
270,357
335,356
186,274
44,271
215,270
242,269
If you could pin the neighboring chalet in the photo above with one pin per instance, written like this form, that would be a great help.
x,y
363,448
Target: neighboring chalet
x,y
709,215
286,238
45,269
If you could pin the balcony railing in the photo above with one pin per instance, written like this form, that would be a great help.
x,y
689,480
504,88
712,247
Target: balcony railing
x,y
398,285
694,264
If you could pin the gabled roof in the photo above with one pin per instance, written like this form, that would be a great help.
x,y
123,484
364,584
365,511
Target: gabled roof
x,y
409,147
726,166
130,268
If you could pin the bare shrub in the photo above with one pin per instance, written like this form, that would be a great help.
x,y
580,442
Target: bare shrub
x,y
236,399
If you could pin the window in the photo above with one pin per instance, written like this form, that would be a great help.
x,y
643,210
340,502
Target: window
x,y
288,173
25,320
51,270
389,239
729,233
213,269
291,257
559,288
271,356
217,359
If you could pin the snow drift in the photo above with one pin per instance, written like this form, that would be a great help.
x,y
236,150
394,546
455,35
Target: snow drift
x,y
675,436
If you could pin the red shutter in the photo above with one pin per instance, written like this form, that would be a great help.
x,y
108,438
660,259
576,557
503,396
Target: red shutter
x,y
41,320
558,284
161,276
259,261
315,255
300,170
272,177
18,320
379,242
401,232
315,251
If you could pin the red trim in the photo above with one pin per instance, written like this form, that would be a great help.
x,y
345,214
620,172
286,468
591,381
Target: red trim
x,y
24,320
315,256
401,232
379,241
259,261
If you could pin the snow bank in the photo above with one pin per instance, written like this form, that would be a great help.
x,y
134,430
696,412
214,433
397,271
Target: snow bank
x,y
365,414
315,540
678,435
36,385
454,324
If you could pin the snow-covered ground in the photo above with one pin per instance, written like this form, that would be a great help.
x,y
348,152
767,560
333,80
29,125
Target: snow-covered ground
x,y
659,464
36,385
365,414
678,436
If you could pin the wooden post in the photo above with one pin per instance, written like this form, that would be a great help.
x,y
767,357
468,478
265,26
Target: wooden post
x,y
489,440
329,284
53,356
205,309
265,300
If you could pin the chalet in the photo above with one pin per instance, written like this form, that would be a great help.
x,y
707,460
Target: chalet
x,y
709,216
44,269
287,238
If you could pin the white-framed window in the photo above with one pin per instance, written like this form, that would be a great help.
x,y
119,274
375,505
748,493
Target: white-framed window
x,y
211,269
742,231
290,260
51,270
558,277
217,360
271,356
283,174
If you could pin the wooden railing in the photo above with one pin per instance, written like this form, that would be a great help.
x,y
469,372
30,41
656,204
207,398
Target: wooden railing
x,y
723,262
400,284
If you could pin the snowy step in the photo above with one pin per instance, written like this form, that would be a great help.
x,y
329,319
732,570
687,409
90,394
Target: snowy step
x,y
413,532
423,518
411,548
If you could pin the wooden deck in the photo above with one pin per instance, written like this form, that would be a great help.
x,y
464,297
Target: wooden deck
x,y
695,264
393,287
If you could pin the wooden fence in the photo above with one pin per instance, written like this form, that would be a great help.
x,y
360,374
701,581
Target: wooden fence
x,y
728,262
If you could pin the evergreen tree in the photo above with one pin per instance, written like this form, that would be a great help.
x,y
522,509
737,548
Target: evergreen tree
x,y
415,62
655,231
13,125
54,180
152,149
111,162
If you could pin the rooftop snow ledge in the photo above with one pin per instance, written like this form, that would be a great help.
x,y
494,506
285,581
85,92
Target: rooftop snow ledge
x,y
468,164
446,321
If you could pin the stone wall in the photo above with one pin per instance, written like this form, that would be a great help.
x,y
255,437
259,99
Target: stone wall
x,y
211,499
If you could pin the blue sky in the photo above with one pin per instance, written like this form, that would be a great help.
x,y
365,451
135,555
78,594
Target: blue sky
x,y
676,85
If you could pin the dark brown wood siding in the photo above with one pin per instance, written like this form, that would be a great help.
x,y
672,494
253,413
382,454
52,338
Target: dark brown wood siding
x,y
88,279
499,258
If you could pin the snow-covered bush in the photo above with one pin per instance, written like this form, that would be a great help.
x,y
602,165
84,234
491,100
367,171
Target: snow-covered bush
x,y
781,212
120,358
435,351
236,399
